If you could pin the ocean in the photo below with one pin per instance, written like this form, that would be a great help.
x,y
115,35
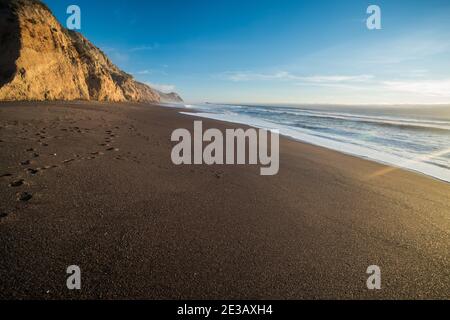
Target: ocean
x,y
414,138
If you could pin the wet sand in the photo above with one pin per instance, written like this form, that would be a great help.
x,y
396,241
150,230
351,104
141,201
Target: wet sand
x,y
93,185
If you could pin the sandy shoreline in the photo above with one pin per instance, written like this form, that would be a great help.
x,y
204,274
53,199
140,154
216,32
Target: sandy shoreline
x,y
112,202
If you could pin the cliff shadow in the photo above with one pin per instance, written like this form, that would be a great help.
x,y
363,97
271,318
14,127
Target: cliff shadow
x,y
9,41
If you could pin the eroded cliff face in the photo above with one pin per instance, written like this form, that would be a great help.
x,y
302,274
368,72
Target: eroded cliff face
x,y
41,60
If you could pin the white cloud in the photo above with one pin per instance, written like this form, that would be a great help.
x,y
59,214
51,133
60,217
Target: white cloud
x,y
432,88
147,47
144,72
238,76
150,72
287,76
337,78
166,88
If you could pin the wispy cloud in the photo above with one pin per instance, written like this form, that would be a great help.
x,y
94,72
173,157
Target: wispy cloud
x,y
337,78
141,72
287,76
123,55
416,86
147,47
238,76
432,88
145,72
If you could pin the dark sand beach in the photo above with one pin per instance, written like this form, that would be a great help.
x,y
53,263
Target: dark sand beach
x,y
93,185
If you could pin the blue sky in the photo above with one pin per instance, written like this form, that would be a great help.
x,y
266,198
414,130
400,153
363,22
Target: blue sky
x,y
267,51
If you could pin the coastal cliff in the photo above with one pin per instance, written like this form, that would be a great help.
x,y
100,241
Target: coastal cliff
x,y
42,60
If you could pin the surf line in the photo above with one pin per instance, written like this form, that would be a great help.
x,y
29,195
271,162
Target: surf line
x,y
228,150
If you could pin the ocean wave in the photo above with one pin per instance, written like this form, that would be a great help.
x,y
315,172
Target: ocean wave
x,y
385,121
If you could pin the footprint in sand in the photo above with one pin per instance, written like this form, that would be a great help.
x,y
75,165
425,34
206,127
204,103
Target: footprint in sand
x,y
218,175
25,163
16,183
6,175
24,196
35,154
3,215
33,171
